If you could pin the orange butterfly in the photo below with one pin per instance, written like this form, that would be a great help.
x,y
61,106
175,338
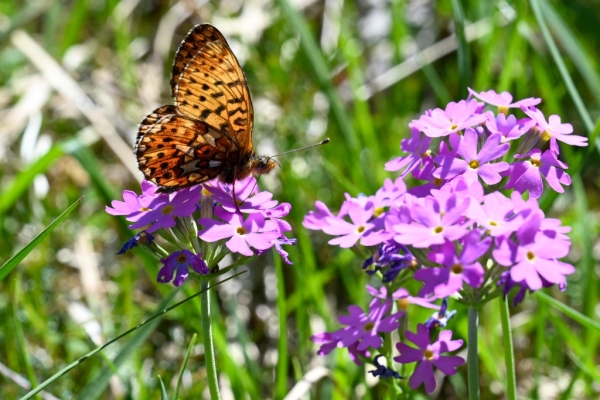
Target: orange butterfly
x,y
208,132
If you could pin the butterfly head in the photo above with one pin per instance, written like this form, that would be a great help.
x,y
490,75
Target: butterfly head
x,y
262,164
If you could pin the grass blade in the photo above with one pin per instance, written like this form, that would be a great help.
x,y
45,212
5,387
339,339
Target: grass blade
x,y
464,64
163,390
9,265
565,309
188,354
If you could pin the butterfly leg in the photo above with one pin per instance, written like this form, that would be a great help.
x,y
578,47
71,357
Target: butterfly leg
x,y
237,207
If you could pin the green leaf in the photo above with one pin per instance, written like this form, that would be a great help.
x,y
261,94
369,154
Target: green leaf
x,y
163,390
565,309
9,265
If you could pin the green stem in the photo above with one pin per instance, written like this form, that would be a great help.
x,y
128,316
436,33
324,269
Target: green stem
x,y
209,351
282,342
472,355
509,354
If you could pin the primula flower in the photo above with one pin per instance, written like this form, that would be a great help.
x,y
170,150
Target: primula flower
x,y
508,127
474,163
351,232
133,206
403,298
141,237
554,130
496,215
247,198
504,100
455,118
366,327
440,318
382,371
527,175
429,227
182,203
242,233
178,264
429,355
535,256
330,341
317,220
457,269
418,149
392,255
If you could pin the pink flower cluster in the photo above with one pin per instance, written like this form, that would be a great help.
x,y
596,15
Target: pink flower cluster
x,y
455,233
248,223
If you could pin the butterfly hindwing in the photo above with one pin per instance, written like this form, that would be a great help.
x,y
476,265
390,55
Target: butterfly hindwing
x,y
211,86
176,151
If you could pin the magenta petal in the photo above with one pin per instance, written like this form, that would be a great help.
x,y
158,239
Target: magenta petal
x,y
423,374
407,354
238,245
448,364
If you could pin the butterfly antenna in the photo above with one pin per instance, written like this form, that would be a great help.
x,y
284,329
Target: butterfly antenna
x,y
322,142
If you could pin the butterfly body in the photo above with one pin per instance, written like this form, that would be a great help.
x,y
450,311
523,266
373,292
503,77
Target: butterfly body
x,y
208,132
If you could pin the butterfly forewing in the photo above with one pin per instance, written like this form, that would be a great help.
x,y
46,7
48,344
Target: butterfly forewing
x,y
212,88
177,151
208,132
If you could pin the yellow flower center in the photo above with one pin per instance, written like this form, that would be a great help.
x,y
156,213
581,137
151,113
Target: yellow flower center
x,y
530,256
167,210
545,136
368,326
403,303
503,110
378,211
493,223
205,192
145,209
474,164
241,231
360,229
423,155
438,230
536,162
437,181
453,127
457,269
428,354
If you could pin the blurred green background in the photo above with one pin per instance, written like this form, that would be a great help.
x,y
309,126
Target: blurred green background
x,y
77,76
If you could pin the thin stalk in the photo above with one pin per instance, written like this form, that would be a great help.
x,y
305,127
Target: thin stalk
x,y
472,354
509,354
282,343
209,350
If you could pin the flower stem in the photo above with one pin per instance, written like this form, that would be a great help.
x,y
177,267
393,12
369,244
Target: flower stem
x,y
209,351
472,354
509,355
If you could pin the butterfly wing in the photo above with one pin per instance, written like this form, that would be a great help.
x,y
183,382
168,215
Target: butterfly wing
x,y
175,151
208,84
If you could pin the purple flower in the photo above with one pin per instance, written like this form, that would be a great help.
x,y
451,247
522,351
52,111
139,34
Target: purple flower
x,y
182,203
535,256
474,164
509,128
554,130
317,220
527,175
178,264
417,148
330,341
440,318
391,256
457,269
141,237
365,328
247,198
351,232
496,215
275,220
133,206
403,298
242,233
382,371
504,100
277,243
430,227
429,355
456,117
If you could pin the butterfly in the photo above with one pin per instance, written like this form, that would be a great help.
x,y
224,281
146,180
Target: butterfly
x,y
207,133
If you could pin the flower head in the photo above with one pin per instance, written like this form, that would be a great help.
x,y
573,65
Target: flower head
x,y
455,118
504,100
554,130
